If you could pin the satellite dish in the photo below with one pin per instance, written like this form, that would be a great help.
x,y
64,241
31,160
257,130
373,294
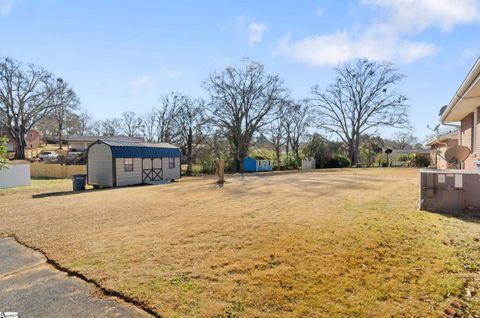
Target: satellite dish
x,y
442,110
457,154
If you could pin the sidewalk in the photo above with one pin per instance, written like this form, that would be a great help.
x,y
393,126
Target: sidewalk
x,y
33,288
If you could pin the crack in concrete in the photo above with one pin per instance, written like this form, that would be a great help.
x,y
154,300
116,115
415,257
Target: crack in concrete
x,y
49,264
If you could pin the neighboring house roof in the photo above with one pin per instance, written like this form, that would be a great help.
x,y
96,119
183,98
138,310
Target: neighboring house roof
x,y
128,149
439,139
95,138
466,99
407,151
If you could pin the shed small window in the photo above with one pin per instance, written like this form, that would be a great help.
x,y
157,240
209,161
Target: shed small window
x,y
171,163
128,164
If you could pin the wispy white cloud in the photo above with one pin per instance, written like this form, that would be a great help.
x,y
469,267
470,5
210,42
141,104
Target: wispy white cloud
x,y
386,38
171,73
319,11
6,6
139,84
255,33
331,49
418,15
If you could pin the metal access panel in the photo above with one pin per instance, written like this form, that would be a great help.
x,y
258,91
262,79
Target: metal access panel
x,y
450,191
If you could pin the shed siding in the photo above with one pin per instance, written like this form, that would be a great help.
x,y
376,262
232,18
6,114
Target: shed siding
x,y
129,177
171,174
100,165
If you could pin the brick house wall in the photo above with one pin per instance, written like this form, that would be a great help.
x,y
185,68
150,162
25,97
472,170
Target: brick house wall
x,y
437,154
467,140
33,139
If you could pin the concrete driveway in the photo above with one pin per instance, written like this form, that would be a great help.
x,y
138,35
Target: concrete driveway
x,y
34,288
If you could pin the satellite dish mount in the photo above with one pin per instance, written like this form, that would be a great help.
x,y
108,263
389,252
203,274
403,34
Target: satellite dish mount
x,y
456,155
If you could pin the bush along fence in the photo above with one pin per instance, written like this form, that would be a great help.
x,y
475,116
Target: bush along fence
x,y
56,170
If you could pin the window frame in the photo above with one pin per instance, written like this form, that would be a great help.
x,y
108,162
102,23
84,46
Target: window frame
x,y
171,163
127,164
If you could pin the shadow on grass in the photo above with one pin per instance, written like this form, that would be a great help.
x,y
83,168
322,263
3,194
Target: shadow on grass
x,y
471,216
63,193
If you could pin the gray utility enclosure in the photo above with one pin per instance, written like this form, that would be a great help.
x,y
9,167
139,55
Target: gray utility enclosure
x,y
451,191
122,163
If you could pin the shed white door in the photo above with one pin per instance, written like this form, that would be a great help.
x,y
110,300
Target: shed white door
x,y
152,169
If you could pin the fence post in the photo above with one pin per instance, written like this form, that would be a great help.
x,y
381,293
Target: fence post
x,y
220,167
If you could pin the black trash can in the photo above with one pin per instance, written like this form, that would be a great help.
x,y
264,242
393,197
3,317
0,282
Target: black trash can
x,y
79,181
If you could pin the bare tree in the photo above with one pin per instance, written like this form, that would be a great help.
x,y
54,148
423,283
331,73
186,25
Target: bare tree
x,y
47,126
66,101
296,123
276,136
158,124
190,126
97,128
362,98
149,128
25,97
276,132
84,120
241,102
72,124
165,116
404,140
111,127
131,124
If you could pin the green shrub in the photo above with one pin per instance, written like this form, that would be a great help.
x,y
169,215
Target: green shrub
x,y
292,162
338,162
422,161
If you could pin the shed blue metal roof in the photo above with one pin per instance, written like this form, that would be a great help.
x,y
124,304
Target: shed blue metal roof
x,y
128,149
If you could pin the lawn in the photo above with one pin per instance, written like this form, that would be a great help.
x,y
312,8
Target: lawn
x,y
331,243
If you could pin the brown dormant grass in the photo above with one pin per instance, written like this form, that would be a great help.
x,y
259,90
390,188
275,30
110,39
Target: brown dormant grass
x,y
333,243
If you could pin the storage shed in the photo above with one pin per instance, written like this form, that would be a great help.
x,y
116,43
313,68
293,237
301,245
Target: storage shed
x,y
308,164
113,163
256,164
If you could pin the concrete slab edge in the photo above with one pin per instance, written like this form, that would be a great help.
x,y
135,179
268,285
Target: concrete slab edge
x,y
105,291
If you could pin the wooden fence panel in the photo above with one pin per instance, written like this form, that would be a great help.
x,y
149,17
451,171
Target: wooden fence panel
x,y
56,170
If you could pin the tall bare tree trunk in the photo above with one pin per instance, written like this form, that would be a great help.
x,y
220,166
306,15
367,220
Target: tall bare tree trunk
x,y
20,145
60,136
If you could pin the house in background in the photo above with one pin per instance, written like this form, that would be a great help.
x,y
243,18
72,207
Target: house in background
x,y
256,164
33,139
114,163
438,146
457,190
81,143
465,108
396,154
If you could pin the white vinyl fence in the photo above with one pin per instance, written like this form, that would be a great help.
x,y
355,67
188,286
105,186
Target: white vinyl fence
x,y
17,175
308,164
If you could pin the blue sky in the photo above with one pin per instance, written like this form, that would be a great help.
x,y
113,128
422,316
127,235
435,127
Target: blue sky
x,y
123,55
